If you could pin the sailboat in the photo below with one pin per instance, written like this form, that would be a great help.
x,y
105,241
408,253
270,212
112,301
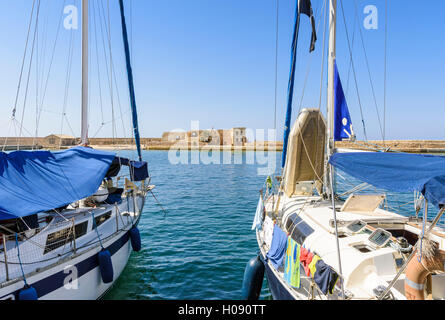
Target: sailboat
x,y
318,244
67,226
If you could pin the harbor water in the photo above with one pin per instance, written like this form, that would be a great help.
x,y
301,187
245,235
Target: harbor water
x,y
199,249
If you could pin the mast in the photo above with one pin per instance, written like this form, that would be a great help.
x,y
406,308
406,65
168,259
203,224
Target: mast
x,y
331,90
130,81
84,130
330,131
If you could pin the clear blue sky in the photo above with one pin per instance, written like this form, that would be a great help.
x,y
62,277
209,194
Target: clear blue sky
x,y
214,61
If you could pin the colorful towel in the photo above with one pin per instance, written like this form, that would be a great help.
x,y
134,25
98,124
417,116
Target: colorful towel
x,y
325,277
313,265
306,258
278,248
292,263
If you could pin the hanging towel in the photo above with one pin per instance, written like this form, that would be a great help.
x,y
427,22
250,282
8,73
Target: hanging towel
x,y
292,264
325,277
268,227
258,214
313,265
278,248
306,258
288,261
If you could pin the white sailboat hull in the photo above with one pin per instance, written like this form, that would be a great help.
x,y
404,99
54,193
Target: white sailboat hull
x,y
78,277
363,270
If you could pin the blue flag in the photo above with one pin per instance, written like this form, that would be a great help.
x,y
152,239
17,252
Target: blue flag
x,y
342,118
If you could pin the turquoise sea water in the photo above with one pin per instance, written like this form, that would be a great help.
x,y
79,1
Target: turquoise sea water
x,y
200,249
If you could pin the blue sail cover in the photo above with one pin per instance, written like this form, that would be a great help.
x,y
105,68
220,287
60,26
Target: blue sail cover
x,y
290,88
37,181
342,118
134,112
397,172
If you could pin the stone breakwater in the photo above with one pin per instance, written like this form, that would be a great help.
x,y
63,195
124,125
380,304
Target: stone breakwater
x,y
409,146
172,146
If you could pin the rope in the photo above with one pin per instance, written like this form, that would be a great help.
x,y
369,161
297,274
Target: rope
x,y
20,261
97,231
165,212
425,216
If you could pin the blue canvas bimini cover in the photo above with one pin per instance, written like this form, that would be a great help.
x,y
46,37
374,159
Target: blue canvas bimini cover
x,y
37,181
397,172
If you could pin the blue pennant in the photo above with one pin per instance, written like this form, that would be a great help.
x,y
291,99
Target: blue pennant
x,y
342,119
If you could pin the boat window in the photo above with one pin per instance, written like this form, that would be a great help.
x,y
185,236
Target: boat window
x,y
101,219
62,237
356,226
298,229
380,238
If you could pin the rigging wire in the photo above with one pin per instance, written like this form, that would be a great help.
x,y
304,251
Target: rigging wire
x,y
276,61
97,63
309,65
111,69
323,56
385,71
369,74
67,83
23,60
320,179
29,76
350,60
353,71
50,64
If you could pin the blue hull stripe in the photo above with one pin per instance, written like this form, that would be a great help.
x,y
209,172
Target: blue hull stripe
x,y
278,290
55,281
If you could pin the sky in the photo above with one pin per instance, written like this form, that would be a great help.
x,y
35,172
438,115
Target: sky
x,y
213,61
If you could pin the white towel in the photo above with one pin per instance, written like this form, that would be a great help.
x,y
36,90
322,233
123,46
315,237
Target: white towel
x,y
268,227
258,214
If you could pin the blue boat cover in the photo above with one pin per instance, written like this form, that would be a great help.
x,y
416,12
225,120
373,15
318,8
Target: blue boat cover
x,y
138,169
37,181
397,172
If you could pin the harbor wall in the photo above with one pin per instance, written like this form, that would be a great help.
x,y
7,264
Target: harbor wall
x,y
410,146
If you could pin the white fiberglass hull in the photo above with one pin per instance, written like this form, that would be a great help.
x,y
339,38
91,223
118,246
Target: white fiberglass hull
x,y
78,277
365,268
57,282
